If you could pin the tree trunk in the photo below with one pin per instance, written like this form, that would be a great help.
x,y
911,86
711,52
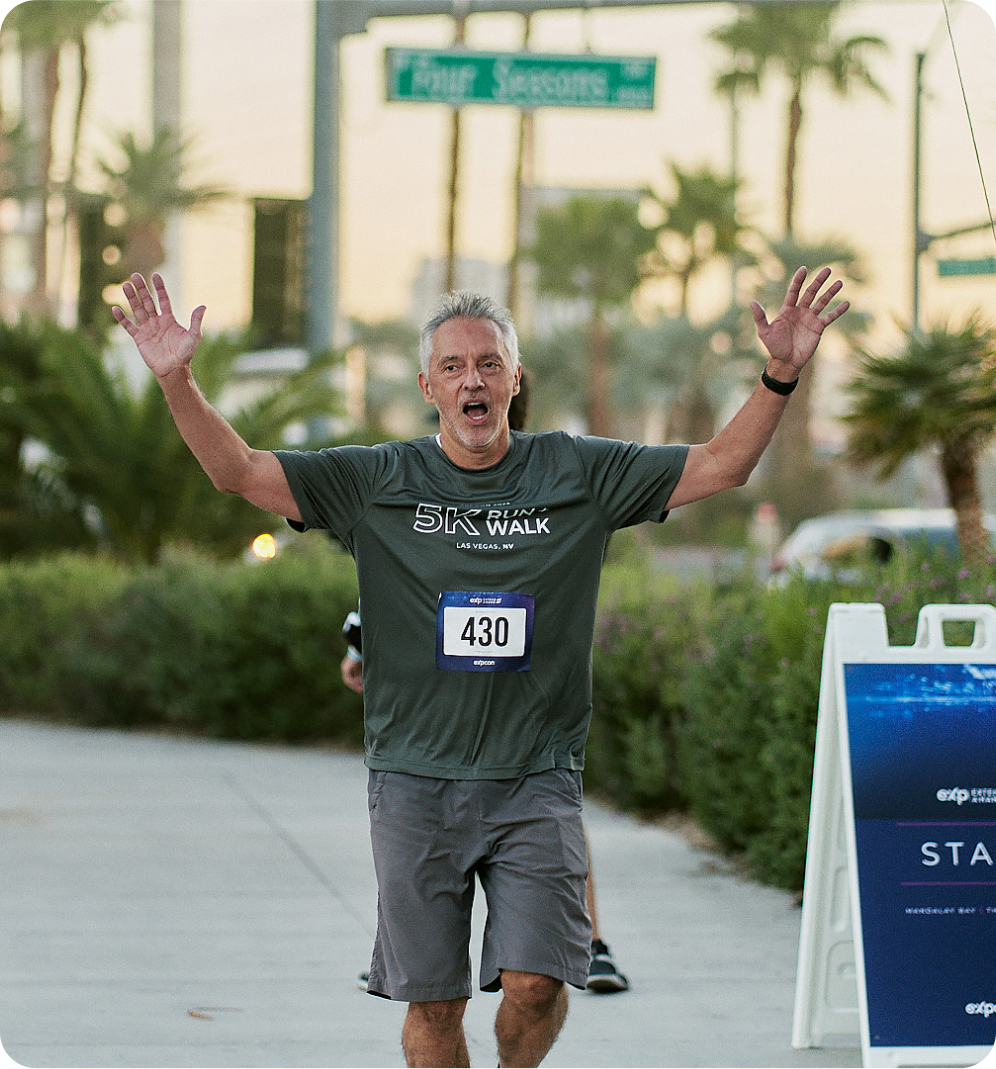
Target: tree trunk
x,y
143,247
701,418
450,282
70,202
958,466
795,122
38,298
599,378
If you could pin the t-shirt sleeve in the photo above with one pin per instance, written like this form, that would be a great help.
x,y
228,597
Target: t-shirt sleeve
x,y
333,487
631,483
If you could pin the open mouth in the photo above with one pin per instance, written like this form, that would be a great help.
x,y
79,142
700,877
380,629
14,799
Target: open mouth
x,y
476,411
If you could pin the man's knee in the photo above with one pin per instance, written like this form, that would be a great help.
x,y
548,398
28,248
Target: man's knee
x,y
531,991
438,1014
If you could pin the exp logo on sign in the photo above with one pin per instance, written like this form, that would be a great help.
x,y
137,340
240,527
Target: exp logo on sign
x,y
953,794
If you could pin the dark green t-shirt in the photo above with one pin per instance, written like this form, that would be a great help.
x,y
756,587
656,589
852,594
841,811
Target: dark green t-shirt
x,y
478,590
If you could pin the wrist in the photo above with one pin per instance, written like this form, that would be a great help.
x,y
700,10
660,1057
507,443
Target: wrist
x,y
780,386
781,371
176,378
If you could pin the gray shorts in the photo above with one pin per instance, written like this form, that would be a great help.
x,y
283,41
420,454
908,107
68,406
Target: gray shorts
x,y
522,838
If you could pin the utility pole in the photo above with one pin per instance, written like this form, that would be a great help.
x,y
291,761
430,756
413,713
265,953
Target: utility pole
x,y
921,241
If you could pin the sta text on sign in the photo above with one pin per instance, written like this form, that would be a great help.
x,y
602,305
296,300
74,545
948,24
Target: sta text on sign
x,y
521,79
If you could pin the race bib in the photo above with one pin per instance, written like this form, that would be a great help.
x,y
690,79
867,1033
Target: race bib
x,y
484,631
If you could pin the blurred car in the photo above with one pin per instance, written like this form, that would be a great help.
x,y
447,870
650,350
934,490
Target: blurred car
x,y
839,543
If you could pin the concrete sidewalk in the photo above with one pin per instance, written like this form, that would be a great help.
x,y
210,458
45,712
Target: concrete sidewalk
x,y
173,902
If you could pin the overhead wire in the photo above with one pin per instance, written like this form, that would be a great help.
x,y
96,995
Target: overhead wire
x,y
968,115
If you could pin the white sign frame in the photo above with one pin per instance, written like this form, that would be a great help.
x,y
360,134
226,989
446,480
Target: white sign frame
x,y
831,996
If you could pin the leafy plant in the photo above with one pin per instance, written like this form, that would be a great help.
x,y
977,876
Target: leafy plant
x,y
938,390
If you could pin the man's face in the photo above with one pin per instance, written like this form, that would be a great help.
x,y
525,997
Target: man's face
x,y
471,382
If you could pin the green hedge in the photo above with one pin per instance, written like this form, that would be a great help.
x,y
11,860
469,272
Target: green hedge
x,y
705,693
243,651
737,674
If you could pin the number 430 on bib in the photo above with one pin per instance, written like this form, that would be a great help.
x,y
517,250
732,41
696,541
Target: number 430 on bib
x,y
484,631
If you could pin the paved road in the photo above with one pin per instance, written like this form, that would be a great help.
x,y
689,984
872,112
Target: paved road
x,y
174,902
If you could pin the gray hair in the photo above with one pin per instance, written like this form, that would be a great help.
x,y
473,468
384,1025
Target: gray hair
x,y
463,304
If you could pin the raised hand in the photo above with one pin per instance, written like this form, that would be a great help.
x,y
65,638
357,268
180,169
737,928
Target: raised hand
x,y
163,343
792,336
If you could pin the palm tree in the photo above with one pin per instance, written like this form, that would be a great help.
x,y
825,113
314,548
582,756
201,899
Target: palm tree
x,y
938,391
115,457
43,28
148,187
700,225
691,370
798,40
590,249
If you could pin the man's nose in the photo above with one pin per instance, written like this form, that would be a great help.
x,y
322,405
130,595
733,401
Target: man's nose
x,y
472,378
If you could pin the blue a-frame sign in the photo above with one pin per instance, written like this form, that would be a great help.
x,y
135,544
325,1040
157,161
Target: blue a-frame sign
x,y
899,912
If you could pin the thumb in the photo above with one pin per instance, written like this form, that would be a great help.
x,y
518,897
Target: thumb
x,y
196,317
760,319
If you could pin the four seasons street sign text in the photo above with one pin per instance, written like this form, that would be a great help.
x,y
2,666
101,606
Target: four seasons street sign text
x,y
521,79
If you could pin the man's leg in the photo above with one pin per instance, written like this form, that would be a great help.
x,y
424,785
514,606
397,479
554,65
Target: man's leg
x,y
531,1014
433,1034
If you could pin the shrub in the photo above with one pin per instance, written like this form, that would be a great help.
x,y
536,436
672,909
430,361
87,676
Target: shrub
x,y
246,651
647,627
725,699
44,606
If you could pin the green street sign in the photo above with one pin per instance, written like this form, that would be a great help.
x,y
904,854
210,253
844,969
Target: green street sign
x,y
952,268
521,79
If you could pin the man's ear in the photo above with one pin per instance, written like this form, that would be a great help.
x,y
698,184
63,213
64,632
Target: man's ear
x,y
423,385
518,379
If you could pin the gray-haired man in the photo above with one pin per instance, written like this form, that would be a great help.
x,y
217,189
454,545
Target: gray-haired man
x,y
478,552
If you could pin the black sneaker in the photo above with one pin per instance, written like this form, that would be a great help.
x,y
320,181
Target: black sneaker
x,y
362,980
603,976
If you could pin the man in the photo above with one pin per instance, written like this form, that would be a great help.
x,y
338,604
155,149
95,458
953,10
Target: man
x,y
604,977
478,553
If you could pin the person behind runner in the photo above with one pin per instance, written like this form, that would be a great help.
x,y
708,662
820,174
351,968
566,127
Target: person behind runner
x,y
478,553
604,977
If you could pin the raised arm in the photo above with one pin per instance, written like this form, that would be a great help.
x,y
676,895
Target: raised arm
x,y
168,348
791,339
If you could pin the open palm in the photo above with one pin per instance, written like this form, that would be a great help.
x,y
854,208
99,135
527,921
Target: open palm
x,y
793,335
163,343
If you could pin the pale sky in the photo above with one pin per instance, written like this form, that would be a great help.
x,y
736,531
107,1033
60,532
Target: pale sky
x,y
246,98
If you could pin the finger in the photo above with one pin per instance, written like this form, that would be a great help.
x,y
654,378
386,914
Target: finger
x,y
164,305
123,319
134,301
759,317
814,287
795,285
825,298
142,290
835,313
